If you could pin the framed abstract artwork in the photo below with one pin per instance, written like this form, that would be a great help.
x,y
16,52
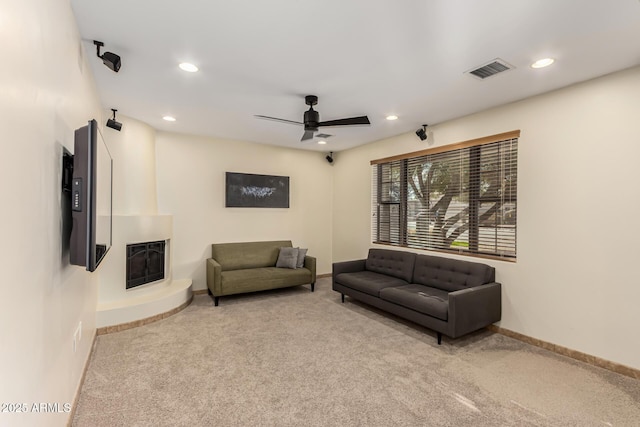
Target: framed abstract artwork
x,y
245,190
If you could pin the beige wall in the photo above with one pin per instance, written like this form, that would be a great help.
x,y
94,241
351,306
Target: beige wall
x,y
575,283
191,179
133,150
46,92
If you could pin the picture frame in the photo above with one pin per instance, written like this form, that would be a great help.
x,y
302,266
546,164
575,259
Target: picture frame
x,y
244,190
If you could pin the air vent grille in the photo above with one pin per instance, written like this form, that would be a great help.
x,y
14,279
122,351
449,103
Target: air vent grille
x,y
491,69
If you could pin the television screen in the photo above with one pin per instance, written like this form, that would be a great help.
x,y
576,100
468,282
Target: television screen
x,y
91,199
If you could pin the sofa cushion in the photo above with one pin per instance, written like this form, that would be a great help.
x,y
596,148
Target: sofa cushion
x,y
450,274
423,299
368,281
287,258
391,263
257,279
234,256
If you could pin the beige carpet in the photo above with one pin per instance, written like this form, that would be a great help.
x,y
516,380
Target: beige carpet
x,y
295,358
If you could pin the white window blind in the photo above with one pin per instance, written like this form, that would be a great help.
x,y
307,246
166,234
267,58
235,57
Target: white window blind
x,y
462,199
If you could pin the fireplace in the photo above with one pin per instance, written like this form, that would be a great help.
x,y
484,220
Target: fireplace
x,y
131,262
145,263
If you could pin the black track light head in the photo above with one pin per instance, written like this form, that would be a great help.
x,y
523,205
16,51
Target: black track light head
x,y
112,123
330,157
110,59
422,133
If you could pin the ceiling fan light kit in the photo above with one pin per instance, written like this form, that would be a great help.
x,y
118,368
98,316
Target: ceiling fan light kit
x,y
312,119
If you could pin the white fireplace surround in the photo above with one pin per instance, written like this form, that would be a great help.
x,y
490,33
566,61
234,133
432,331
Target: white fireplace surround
x,y
118,305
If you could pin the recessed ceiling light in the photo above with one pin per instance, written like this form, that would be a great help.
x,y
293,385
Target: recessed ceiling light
x,y
541,63
169,118
188,67
322,142
392,117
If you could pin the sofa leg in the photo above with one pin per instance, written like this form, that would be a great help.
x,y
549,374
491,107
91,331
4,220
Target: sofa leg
x,y
215,301
439,338
342,298
313,287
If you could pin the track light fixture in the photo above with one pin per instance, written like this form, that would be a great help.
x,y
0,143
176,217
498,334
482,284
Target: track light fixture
x,y
330,157
112,123
422,133
109,59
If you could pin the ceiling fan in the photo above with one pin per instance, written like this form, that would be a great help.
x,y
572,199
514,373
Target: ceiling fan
x,y
312,119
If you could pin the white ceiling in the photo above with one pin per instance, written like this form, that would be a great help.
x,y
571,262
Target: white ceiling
x,y
360,57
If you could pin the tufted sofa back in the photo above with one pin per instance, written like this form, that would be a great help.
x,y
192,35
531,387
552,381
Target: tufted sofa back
x,y
451,274
392,263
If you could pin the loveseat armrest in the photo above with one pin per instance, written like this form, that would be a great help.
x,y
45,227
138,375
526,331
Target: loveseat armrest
x,y
346,267
474,308
310,263
214,277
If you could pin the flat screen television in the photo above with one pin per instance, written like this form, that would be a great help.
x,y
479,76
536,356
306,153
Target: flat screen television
x,y
91,198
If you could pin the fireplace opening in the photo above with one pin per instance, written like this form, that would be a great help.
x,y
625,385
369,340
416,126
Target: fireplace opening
x,y
145,263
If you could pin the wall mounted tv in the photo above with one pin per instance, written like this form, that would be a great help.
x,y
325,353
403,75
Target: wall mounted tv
x,y
91,198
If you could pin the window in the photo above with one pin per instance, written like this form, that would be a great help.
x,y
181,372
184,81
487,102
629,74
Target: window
x,y
460,198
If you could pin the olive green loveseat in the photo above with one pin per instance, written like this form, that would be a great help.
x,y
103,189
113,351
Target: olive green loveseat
x,y
236,268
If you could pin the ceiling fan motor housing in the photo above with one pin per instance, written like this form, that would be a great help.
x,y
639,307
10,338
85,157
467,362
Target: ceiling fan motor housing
x,y
311,120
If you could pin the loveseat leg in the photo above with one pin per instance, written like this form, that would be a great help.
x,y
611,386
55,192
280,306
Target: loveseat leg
x,y
215,301
342,298
313,286
439,338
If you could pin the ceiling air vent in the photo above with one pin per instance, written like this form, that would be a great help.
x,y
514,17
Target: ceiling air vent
x,y
490,69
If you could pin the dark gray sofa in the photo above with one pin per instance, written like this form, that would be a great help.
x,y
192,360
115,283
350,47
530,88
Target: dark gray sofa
x,y
450,296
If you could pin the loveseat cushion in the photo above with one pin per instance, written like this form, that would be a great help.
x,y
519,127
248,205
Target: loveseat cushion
x,y
257,279
450,274
423,299
368,282
391,263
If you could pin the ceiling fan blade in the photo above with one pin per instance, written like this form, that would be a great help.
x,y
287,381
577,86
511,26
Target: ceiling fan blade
x,y
362,120
279,120
307,135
